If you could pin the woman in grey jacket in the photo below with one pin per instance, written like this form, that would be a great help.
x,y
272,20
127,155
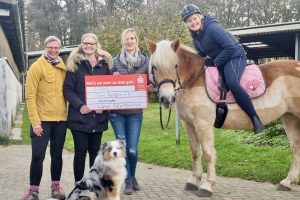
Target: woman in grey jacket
x,y
127,123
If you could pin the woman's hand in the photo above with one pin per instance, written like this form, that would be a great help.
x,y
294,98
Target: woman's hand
x,y
84,109
150,87
99,111
38,130
116,73
209,62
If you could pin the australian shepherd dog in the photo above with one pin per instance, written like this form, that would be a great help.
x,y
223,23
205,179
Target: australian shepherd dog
x,y
106,176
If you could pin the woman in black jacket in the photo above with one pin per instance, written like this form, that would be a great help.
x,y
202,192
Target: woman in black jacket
x,y
86,125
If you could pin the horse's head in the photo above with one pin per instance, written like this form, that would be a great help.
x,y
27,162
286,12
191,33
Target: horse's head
x,y
162,69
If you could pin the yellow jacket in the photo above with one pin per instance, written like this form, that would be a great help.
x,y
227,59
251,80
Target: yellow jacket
x,y
44,96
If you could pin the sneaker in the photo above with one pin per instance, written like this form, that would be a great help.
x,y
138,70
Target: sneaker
x,y
128,187
135,185
57,192
31,195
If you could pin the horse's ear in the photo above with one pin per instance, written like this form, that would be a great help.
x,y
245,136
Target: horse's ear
x,y
150,45
175,45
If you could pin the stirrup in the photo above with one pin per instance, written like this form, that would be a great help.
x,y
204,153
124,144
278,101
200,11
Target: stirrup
x,y
221,113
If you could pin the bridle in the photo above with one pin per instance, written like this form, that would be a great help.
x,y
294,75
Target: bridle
x,y
167,80
178,89
158,85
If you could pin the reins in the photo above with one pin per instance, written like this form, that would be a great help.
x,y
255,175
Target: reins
x,y
160,117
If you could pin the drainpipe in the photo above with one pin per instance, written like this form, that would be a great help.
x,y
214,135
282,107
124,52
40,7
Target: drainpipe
x,y
297,46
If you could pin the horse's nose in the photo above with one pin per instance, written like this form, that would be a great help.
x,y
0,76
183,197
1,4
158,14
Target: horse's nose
x,y
167,101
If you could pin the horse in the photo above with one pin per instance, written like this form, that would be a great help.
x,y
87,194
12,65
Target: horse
x,y
179,73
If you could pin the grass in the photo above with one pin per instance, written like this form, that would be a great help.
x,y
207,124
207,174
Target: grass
x,y
239,153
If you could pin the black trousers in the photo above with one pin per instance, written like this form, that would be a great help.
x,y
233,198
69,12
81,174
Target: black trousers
x,y
55,132
84,142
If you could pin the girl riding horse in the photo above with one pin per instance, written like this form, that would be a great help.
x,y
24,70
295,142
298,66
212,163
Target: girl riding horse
x,y
211,39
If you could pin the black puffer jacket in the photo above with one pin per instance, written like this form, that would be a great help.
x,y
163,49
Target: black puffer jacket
x,y
74,92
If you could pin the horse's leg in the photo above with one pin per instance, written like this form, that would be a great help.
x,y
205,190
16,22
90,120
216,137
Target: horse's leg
x,y
206,138
194,180
292,128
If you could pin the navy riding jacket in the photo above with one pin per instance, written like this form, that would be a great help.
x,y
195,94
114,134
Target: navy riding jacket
x,y
217,43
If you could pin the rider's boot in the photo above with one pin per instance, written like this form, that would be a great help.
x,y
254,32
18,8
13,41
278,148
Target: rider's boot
x,y
258,127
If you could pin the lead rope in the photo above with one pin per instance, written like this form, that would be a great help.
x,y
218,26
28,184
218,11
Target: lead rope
x,y
161,122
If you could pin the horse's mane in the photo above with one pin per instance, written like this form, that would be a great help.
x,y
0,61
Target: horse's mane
x,y
187,48
188,55
167,57
164,55
188,63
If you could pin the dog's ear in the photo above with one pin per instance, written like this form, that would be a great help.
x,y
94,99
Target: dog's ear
x,y
122,143
104,146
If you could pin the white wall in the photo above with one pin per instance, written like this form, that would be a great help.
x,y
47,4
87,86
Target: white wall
x,y
5,51
10,97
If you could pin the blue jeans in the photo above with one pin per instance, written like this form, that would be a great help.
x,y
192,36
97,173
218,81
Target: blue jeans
x,y
128,128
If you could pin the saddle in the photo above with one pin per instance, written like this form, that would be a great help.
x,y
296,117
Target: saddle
x,y
251,80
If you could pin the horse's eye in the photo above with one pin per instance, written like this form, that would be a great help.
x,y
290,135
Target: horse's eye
x,y
154,67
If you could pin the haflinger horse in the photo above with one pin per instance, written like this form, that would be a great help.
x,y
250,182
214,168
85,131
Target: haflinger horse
x,y
172,65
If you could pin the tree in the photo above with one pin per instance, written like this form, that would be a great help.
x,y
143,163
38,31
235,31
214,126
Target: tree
x,y
155,19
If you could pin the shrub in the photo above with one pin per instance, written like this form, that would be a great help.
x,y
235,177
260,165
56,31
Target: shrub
x,y
4,140
274,136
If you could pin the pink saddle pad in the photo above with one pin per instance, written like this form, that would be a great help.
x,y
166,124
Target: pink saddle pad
x,y
252,81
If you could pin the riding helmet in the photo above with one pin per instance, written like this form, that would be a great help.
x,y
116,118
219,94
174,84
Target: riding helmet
x,y
189,10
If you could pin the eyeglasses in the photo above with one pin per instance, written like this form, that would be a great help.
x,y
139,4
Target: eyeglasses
x,y
53,48
88,43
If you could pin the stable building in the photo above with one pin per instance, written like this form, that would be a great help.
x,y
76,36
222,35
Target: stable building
x,y
12,61
270,40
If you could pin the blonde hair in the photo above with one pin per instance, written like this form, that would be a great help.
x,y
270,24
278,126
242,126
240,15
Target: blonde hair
x,y
78,53
129,30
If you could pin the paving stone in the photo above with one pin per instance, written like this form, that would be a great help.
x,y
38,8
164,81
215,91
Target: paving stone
x,y
158,183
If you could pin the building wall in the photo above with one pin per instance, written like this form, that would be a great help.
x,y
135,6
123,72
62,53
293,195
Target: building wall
x,y
5,51
10,86
10,97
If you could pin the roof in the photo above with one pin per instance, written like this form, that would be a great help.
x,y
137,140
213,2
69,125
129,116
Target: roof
x,y
12,20
63,51
271,40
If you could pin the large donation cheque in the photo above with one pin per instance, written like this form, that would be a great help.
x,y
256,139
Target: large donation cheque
x,y
116,92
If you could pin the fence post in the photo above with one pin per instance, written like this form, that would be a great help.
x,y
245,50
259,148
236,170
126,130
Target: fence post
x,y
177,128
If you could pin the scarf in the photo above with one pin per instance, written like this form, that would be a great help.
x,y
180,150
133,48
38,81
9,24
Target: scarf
x,y
131,61
51,60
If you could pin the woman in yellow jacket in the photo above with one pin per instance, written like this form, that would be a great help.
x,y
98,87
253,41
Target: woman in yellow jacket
x,y
47,113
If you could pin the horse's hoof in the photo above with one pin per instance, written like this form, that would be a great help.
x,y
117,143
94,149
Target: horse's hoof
x,y
203,193
283,188
190,187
